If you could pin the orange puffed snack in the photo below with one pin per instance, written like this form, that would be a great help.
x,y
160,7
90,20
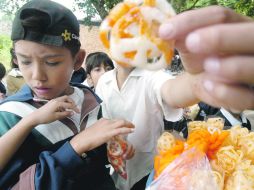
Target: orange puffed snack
x,y
162,160
201,139
130,33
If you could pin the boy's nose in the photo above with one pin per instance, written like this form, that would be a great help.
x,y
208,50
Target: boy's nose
x,y
39,74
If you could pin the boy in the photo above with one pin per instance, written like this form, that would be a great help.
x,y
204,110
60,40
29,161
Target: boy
x,y
97,64
43,141
143,98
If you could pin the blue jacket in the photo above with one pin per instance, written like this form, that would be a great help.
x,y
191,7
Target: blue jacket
x,y
42,165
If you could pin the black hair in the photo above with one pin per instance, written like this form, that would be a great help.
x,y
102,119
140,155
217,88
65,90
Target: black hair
x,y
96,59
78,76
2,71
13,59
38,22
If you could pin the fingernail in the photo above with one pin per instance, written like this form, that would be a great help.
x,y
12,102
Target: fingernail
x,y
193,42
132,130
212,65
208,85
166,31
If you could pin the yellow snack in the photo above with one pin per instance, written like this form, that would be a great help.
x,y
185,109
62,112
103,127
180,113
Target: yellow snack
x,y
165,142
247,145
236,133
238,180
216,122
228,158
191,112
130,33
219,179
196,125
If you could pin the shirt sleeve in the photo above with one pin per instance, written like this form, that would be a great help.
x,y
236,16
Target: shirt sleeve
x,y
158,79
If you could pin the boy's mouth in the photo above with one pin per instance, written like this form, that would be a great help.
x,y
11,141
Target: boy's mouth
x,y
41,90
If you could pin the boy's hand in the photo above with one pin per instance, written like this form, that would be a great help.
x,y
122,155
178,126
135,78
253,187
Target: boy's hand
x,y
99,133
217,43
129,152
55,109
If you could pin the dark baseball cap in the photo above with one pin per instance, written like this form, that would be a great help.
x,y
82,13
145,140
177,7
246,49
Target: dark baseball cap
x,y
46,22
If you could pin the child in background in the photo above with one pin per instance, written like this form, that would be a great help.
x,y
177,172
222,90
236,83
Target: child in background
x,y
42,137
2,87
97,64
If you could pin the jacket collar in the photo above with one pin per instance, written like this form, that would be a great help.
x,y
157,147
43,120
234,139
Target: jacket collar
x,y
25,94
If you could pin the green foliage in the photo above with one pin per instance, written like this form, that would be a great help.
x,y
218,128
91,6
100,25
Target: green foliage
x,y
245,7
5,45
9,7
95,7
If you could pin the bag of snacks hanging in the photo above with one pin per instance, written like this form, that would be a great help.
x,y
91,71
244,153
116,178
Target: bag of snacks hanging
x,y
116,148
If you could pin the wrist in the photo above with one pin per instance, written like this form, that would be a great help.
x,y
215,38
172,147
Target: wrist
x,y
29,122
79,147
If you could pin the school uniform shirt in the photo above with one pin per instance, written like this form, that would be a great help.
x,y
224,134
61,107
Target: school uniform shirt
x,y
46,160
231,120
139,101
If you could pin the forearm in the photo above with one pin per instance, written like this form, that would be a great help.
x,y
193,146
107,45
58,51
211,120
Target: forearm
x,y
11,140
180,92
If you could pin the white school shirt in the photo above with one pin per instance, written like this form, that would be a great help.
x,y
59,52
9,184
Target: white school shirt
x,y
139,101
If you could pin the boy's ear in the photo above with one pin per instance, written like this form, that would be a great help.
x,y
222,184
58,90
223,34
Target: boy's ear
x,y
79,59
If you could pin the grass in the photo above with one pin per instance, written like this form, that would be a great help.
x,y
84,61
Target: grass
x,y
5,45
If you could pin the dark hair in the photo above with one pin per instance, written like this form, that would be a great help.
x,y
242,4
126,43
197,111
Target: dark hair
x,y
96,59
78,76
13,58
2,71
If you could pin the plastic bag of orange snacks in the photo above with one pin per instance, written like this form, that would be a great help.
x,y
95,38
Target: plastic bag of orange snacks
x,y
230,153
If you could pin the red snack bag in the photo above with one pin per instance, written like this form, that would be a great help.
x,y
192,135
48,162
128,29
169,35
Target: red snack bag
x,y
116,148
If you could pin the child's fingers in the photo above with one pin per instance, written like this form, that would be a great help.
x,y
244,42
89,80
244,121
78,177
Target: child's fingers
x,y
232,97
239,69
219,39
119,123
65,102
180,25
129,152
63,114
121,131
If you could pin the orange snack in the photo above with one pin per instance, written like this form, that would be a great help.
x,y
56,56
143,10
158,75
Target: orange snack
x,y
162,160
130,33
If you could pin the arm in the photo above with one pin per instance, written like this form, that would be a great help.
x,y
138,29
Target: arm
x,y
207,45
180,92
12,140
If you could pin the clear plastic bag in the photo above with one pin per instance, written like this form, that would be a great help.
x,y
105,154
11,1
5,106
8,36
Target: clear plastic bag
x,y
190,171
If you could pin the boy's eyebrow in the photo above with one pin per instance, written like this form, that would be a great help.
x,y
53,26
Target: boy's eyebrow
x,y
45,57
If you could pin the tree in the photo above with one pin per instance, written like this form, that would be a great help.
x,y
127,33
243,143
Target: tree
x,y
95,7
10,7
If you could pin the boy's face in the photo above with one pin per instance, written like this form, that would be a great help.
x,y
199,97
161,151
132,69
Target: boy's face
x,y
96,73
46,69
